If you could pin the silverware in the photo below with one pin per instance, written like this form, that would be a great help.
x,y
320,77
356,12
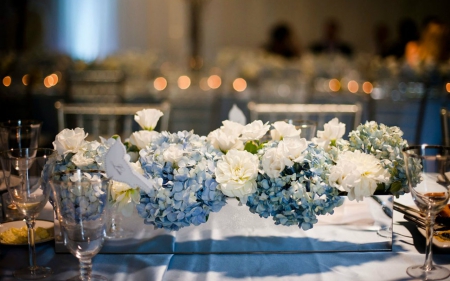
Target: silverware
x,y
420,222
386,209
412,212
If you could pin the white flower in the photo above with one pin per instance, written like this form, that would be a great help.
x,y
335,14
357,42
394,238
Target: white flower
x,y
81,161
358,174
173,153
142,138
292,148
226,138
333,131
254,131
124,196
236,173
69,141
283,129
148,118
273,162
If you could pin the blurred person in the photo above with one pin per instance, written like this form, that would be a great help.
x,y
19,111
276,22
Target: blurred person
x,y
432,46
282,42
330,43
381,40
407,31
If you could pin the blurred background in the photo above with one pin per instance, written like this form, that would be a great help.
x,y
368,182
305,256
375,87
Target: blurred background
x,y
203,56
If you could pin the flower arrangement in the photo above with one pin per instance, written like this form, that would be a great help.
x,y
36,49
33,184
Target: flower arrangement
x,y
267,167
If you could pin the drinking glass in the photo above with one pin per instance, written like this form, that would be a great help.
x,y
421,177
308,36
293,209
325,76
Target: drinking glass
x,y
308,128
81,199
428,172
26,172
18,134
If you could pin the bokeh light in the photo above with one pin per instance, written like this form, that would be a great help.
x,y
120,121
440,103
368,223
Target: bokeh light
x,y
447,87
26,79
239,84
7,81
334,85
353,86
184,82
160,83
214,81
367,87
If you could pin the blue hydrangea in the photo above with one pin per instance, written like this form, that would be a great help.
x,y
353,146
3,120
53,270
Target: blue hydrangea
x,y
184,193
386,144
299,194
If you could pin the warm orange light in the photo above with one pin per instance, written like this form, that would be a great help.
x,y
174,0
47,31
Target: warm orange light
x,y
353,86
447,87
184,82
55,78
367,87
47,82
334,85
214,81
160,83
204,84
26,79
239,84
7,81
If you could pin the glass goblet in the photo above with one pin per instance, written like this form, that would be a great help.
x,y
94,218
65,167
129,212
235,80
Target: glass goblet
x,y
26,172
307,127
82,199
428,173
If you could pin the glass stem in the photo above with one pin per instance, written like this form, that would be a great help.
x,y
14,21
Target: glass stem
x,y
31,241
85,268
428,265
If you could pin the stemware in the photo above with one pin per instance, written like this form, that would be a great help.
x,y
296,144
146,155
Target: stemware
x,y
428,173
26,172
308,128
82,199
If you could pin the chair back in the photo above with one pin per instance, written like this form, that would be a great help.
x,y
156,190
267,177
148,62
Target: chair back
x,y
107,120
445,117
350,114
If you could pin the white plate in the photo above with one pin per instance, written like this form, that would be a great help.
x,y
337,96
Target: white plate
x,y
19,224
436,241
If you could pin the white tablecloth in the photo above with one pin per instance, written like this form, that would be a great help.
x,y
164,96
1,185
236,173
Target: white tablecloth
x,y
408,249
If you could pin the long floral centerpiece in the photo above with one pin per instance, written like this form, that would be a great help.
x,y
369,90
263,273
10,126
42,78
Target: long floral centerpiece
x,y
269,168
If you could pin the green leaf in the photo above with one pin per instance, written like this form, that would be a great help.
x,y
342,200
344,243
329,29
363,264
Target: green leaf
x,y
395,187
251,147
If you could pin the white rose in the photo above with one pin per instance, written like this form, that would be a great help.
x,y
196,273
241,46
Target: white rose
x,y
232,127
292,148
236,174
357,173
69,141
173,153
81,161
333,130
273,162
142,138
148,118
254,131
282,130
223,140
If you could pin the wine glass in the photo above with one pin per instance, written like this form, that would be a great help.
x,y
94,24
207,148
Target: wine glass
x,y
308,128
428,173
82,199
26,172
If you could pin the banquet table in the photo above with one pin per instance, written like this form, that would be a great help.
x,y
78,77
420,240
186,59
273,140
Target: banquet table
x,y
407,249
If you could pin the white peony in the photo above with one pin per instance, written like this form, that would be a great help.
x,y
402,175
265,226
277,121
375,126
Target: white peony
x,y
236,174
358,174
142,138
282,129
173,153
333,131
69,141
254,131
273,162
227,136
81,161
148,118
292,148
